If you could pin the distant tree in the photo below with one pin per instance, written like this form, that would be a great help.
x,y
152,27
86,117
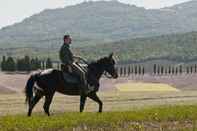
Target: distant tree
x,y
135,70
19,64
132,70
43,64
38,63
129,70
162,70
33,64
176,70
49,63
173,71
180,69
143,71
166,70
3,64
155,68
10,64
120,70
139,70
125,70
27,63
169,70
158,70
191,69
187,69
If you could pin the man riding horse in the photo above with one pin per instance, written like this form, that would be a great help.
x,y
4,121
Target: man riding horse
x,y
46,83
69,66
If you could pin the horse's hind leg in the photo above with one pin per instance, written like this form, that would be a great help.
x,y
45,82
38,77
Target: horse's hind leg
x,y
47,103
94,97
82,102
34,101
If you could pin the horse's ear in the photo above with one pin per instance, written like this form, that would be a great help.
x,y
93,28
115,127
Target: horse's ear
x,y
111,55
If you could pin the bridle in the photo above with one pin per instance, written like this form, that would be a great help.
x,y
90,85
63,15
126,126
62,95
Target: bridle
x,y
106,74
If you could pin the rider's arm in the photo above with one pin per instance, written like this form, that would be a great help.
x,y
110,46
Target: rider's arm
x,y
78,58
66,55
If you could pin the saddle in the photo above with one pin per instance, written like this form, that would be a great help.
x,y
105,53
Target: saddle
x,y
75,79
69,77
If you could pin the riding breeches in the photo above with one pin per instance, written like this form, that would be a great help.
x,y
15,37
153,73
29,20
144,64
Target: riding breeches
x,y
80,72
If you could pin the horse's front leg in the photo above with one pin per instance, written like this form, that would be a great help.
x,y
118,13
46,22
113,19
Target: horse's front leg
x,y
82,102
94,97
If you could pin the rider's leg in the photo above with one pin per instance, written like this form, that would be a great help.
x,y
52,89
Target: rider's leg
x,y
81,73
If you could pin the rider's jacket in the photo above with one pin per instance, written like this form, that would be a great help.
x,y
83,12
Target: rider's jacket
x,y
66,55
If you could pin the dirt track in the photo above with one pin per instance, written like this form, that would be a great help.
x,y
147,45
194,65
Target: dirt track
x,y
12,98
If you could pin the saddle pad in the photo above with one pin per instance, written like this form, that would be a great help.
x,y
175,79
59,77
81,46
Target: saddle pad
x,y
70,78
47,71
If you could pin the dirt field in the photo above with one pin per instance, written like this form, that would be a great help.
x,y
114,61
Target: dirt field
x,y
12,98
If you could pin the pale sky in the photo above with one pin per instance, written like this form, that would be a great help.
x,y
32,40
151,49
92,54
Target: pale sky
x,y
12,11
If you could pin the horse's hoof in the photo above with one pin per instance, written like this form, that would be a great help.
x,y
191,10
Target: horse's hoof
x,y
28,114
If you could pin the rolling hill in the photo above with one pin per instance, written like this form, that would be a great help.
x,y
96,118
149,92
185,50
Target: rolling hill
x,y
92,23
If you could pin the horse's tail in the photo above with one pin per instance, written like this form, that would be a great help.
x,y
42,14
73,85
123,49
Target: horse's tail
x,y
29,87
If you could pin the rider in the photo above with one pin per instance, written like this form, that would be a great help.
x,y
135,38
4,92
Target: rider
x,y
67,59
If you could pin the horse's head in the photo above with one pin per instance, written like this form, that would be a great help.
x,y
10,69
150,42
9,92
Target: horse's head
x,y
109,66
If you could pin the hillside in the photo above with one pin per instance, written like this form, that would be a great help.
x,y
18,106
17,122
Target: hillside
x,y
99,22
179,47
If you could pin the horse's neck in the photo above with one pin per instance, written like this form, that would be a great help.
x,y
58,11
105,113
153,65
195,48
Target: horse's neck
x,y
96,71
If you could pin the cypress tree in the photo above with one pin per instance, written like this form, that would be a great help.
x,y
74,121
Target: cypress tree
x,y
180,69
155,69
139,70
162,70
135,70
129,70
169,70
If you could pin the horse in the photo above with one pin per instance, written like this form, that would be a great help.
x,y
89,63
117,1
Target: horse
x,y
47,82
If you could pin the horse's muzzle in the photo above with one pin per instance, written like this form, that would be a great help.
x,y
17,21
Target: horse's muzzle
x,y
115,76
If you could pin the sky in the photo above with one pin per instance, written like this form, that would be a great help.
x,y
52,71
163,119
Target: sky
x,y
13,11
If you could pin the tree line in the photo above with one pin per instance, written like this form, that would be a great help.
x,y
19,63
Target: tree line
x,y
126,70
160,70
24,64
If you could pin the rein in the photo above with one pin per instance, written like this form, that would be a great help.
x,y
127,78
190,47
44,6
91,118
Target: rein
x,y
86,62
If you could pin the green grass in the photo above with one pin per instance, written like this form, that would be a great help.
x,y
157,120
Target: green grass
x,y
162,117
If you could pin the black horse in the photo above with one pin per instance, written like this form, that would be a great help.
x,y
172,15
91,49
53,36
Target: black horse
x,y
49,81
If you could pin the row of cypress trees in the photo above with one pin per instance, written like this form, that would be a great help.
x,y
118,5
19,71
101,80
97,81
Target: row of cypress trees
x,y
24,64
157,69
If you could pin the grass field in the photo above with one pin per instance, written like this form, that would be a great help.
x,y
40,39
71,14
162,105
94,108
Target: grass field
x,y
144,87
156,104
12,104
164,118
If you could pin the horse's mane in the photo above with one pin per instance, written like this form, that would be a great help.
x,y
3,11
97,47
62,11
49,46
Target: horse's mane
x,y
98,62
